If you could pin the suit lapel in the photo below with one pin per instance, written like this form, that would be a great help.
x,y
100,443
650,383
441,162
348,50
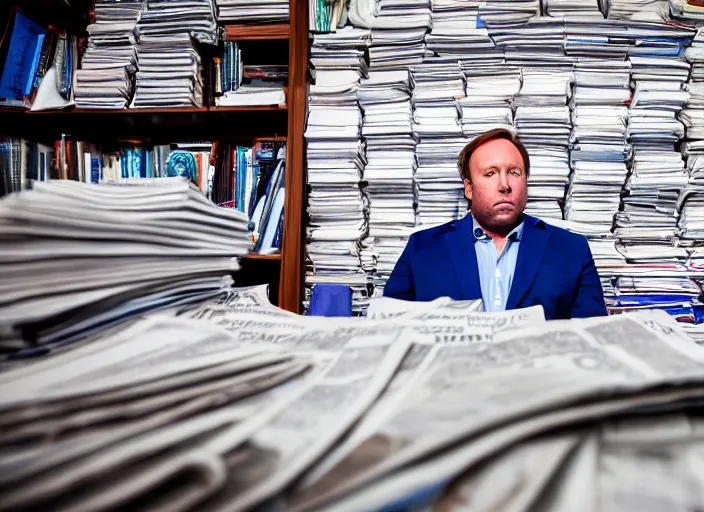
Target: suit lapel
x,y
530,256
464,260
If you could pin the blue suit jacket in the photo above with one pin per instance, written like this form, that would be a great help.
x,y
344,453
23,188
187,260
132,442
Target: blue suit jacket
x,y
554,268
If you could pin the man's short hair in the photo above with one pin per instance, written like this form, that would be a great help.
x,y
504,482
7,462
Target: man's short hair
x,y
497,133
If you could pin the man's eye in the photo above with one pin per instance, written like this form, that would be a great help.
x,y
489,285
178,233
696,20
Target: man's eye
x,y
516,172
490,173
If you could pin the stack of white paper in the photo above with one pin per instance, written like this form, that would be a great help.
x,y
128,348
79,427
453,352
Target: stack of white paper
x,y
398,28
388,133
691,206
106,77
507,13
438,182
694,54
457,35
249,11
659,69
644,10
658,174
543,124
571,7
686,12
436,124
490,93
194,17
335,152
169,72
539,43
599,141
79,257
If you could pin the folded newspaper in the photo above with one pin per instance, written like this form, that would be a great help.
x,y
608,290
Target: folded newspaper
x,y
235,405
76,258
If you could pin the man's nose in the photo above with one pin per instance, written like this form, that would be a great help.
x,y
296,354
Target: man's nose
x,y
504,185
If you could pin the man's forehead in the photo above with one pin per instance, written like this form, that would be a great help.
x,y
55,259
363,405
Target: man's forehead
x,y
495,152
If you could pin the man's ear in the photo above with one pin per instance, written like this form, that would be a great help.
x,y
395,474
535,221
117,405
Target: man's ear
x,y
467,189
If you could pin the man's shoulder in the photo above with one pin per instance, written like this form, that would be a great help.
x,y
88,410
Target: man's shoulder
x,y
563,237
432,233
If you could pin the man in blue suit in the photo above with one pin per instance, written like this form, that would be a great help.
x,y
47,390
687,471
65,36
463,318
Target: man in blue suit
x,y
497,253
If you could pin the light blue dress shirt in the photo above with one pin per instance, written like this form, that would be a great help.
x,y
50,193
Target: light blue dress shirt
x,y
496,271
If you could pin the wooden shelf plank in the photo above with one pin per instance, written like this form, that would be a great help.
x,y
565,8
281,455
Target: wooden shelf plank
x,y
256,32
248,108
143,111
263,257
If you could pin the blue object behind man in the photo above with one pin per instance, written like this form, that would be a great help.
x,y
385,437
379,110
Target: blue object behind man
x,y
498,254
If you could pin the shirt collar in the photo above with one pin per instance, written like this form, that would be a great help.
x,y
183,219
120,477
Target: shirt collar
x,y
478,232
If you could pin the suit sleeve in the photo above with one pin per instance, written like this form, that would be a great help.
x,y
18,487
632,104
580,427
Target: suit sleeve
x,y
589,300
400,283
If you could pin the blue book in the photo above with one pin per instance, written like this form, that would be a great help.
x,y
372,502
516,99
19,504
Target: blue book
x,y
22,57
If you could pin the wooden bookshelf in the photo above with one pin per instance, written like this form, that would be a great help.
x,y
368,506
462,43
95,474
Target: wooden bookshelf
x,y
257,32
263,257
287,42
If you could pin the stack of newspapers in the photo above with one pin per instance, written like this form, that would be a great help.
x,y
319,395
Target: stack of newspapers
x,y
237,405
385,100
544,126
245,11
600,150
170,68
106,77
78,258
335,154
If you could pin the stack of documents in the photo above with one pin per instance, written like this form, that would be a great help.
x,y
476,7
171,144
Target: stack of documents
x,y
508,13
539,44
344,49
557,8
247,11
457,35
400,17
397,48
686,12
437,125
388,134
78,257
489,96
600,150
337,208
641,10
169,72
694,54
166,17
691,208
398,29
106,77
439,186
543,124
658,174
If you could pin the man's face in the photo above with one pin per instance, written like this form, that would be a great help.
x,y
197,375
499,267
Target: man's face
x,y
498,189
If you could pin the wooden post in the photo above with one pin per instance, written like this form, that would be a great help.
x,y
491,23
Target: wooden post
x,y
291,279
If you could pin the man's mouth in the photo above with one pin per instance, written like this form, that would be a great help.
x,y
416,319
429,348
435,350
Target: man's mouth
x,y
504,204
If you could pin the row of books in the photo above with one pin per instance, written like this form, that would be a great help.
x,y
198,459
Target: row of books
x,y
249,179
240,84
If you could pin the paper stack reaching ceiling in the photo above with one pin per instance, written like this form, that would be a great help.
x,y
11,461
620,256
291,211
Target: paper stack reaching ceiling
x,y
336,158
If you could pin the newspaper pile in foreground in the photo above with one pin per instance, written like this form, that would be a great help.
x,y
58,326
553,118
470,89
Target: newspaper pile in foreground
x,y
76,257
236,405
